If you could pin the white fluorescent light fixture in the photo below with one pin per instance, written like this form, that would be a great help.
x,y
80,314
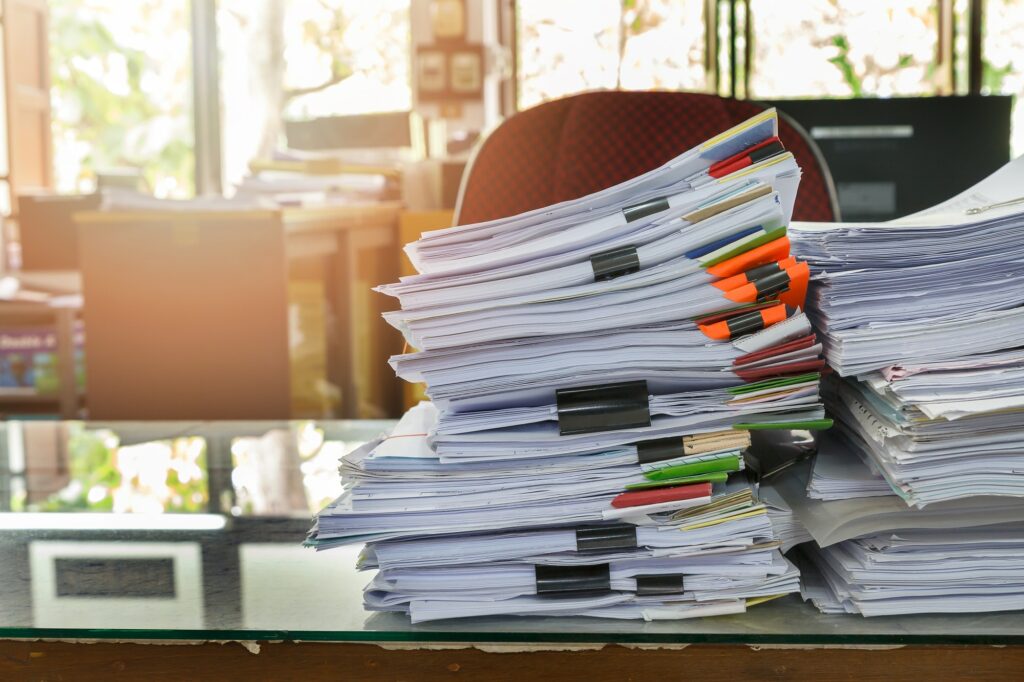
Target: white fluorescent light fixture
x,y
862,132
114,522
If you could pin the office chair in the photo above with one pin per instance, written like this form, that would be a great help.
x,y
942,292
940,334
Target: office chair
x,y
571,147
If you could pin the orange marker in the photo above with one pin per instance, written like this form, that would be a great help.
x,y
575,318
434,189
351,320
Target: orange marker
x,y
746,323
771,252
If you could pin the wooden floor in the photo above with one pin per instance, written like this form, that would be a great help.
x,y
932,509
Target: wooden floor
x,y
53,661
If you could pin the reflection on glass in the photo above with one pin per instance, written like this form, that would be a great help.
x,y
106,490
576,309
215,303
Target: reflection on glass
x,y
266,476
68,467
121,92
1003,55
289,586
572,46
306,59
320,474
283,469
285,472
843,48
81,584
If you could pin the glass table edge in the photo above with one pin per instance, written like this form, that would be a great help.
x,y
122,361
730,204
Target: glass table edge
x,y
427,637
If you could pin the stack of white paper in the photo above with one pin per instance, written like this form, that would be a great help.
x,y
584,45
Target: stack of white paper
x,y
716,545
595,369
920,571
837,474
874,555
924,317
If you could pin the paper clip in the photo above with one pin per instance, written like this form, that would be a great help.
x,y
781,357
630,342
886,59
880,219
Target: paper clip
x,y
981,209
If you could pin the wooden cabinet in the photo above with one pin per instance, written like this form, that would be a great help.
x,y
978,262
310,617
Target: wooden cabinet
x,y
191,315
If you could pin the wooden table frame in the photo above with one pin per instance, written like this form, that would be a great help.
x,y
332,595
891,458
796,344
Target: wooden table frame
x,y
369,662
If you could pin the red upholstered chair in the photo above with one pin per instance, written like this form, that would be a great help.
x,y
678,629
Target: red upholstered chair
x,y
574,146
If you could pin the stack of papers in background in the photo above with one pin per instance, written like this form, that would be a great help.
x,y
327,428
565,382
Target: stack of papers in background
x,y
595,369
924,317
297,179
838,520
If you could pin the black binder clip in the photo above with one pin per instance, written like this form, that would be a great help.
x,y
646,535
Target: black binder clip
x,y
617,536
745,324
638,211
771,285
615,263
650,451
651,585
604,407
572,580
760,271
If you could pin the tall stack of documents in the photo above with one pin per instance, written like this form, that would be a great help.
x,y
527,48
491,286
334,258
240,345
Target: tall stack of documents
x,y
924,318
915,500
595,369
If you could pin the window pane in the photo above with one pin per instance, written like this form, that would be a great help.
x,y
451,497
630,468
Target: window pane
x,y
121,92
1003,55
305,59
571,46
843,48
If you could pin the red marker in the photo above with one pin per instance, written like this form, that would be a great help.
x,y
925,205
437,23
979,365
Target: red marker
x,y
788,347
748,157
642,498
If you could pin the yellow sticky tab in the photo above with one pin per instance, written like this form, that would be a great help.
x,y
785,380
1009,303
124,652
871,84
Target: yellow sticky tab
x,y
723,519
768,114
767,163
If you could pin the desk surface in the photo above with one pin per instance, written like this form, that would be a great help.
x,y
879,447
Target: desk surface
x,y
242,575
341,216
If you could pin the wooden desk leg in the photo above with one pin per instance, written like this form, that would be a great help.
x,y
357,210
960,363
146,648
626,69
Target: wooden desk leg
x,y
68,390
363,342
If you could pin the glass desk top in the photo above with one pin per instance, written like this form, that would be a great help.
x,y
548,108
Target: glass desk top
x,y
196,536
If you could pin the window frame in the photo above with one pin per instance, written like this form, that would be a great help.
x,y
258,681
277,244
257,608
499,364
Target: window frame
x,y
736,51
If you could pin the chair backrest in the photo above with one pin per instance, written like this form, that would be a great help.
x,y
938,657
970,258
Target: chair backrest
x,y
581,144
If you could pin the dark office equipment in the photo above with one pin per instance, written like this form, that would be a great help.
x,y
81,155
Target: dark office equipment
x,y
365,131
892,157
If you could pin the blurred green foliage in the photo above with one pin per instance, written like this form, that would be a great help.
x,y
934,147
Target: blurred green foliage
x,y
106,106
93,464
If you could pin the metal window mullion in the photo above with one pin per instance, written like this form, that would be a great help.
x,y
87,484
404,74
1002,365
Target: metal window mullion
x,y
748,42
975,66
711,72
733,63
206,98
